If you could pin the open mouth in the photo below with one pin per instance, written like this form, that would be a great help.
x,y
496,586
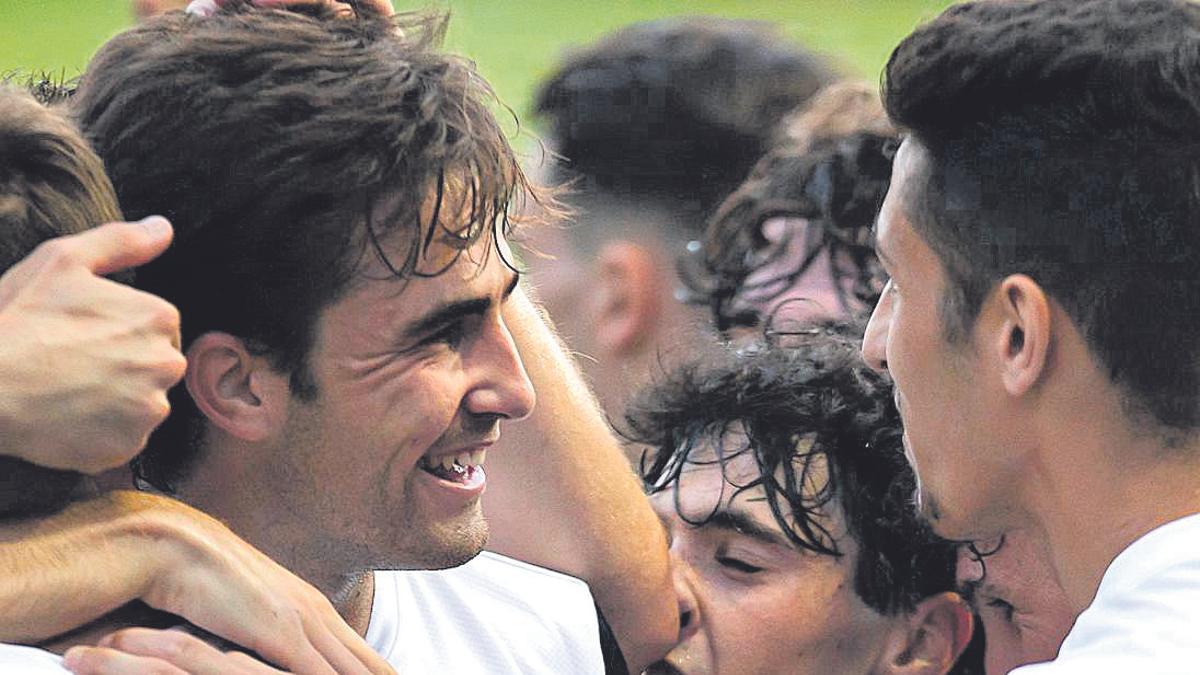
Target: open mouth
x,y
462,468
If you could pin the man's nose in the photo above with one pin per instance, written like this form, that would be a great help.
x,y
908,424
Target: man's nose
x,y
689,607
505,389
874,345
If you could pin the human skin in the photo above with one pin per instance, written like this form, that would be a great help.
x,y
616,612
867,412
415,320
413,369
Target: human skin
x,y
1018,426
99,554
86,362
1019,600
940,389
408,372
753,602
565,465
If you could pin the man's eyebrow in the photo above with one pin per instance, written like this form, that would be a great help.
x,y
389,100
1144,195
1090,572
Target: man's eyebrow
x,y
447,314
740,522
512,285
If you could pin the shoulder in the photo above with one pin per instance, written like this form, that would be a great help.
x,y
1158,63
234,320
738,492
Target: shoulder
x,y
516,617
30,661
1145,613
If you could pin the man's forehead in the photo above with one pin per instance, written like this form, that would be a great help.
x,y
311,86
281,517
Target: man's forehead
x,y
726,474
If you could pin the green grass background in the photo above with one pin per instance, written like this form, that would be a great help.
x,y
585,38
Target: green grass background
x,y
514,42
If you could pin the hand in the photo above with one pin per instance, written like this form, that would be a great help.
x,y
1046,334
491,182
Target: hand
x,y
221,584
86,362
381,7
144,651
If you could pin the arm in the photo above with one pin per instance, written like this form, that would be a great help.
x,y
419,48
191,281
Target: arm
x,y
562,495
67,570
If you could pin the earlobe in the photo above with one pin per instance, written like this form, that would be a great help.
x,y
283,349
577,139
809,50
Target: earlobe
x,y
238,392
932,638
628,295
1025,335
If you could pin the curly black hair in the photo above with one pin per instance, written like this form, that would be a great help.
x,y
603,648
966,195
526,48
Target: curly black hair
x,y
817,389
837,186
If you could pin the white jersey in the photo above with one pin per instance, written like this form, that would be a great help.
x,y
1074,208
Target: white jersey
x,y
491,616
1145,619
29,661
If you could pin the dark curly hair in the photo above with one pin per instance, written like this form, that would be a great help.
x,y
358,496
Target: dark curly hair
x,y
815,388
285,147
830,166
1059,140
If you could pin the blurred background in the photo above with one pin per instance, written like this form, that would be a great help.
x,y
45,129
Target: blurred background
x,y
514,42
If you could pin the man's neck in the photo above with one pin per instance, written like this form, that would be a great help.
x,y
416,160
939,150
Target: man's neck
x,y
1103,486
328,566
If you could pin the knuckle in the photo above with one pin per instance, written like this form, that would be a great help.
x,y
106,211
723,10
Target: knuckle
x,y
164,317
59,252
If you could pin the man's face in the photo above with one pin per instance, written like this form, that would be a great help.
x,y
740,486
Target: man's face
x,y
412,377
1022,606
751,601
951,431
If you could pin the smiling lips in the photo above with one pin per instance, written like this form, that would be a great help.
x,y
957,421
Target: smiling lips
x,y
456,468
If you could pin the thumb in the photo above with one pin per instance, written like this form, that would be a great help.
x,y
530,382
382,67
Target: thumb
x,y
114,247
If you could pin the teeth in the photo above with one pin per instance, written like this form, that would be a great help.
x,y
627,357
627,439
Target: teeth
x,y
447,462
463,459
478,456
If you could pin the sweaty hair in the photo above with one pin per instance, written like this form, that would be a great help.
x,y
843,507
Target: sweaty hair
x,y
674,111
818,389
830,167
285,147
51,184
1061,140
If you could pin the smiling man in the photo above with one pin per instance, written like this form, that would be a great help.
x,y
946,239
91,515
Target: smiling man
x,y
1041,319
778,476
342,195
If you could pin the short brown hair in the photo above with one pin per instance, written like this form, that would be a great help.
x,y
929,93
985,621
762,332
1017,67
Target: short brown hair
x,y
285,147
51,184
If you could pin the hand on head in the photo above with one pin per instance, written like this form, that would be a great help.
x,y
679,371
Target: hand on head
x,y
86,361
382,7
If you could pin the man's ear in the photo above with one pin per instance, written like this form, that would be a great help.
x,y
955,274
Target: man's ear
x,y
1022,343
931,639
238,392
629,295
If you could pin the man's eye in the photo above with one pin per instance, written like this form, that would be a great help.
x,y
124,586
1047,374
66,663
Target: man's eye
x,y
738,565
451,335
1004,607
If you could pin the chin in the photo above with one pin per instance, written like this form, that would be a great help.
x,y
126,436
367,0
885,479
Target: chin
x,y
451,544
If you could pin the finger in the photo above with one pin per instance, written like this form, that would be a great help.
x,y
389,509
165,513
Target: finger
x,y
119,246
187,652
105,661
339,651
341,633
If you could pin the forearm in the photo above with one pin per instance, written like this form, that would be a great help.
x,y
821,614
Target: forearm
x,y
562,495
66,570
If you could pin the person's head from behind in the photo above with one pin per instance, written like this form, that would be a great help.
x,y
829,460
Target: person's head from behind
x,y
51,184
793,241
340,192
1040,233
655,123
779,478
